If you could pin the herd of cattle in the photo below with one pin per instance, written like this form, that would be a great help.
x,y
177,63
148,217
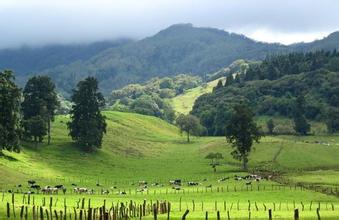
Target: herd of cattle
x,y
142,186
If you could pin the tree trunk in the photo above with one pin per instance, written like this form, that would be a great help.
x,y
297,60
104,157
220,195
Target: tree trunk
x,y
36,142
188,136
49,130
244,163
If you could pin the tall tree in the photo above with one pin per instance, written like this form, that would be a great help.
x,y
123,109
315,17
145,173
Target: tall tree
x,y
35,127
87,125
189,124
40,99
332,120
270,126
241,132
10,96
301,126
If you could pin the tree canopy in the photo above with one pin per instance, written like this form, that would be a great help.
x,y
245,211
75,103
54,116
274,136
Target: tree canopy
x,y
87,125
241,132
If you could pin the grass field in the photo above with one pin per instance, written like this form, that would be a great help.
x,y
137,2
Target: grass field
x,y
138,147
183,103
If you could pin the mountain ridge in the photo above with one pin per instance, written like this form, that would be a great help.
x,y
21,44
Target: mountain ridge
x,y
180,48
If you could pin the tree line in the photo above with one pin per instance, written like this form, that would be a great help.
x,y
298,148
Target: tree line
x,y
300,86
26,114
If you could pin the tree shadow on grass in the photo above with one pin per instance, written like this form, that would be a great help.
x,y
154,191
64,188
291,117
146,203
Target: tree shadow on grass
x,y
6,157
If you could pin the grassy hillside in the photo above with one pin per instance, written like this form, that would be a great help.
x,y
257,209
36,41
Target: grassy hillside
x,y
138,147
184,103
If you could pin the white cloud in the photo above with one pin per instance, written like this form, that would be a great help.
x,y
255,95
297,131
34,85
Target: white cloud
x,y
274,36
38,22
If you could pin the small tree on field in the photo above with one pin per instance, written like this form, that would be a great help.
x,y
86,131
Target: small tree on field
x,y
270,126
87,125
241,131
189,124
214,157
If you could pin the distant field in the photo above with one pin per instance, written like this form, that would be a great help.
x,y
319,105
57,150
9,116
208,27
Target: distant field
x,y
138,147
184,103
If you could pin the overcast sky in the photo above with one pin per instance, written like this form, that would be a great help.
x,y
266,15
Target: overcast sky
x,y
40,22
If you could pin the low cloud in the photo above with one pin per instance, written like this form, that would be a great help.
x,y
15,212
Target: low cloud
x,y
40,22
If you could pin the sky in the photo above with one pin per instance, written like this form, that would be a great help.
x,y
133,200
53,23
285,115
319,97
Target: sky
x,y
41,22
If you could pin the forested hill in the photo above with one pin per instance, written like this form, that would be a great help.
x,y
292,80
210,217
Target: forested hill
x,y
181,48
26,59
272,87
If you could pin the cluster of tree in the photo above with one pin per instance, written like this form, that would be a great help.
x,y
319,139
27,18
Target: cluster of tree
x,y
317,83
27,115
151,98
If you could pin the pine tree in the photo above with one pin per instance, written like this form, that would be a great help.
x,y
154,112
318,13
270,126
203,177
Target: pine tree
x,y
10,96
87,125
40,99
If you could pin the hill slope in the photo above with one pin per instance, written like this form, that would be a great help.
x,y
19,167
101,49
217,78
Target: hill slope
x,y
138,147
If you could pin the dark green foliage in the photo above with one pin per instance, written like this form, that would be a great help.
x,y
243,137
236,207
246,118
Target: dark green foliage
x,y
241,132
189,124
301,126
40,99
333,120
275,97
36,128
270,126
215,158
87,125
10,96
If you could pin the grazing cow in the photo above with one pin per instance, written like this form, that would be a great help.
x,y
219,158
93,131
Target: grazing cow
x,y
104,192
192,184
223,179
37,187
155,184
80,190
176,182
121,193
49,190
73,184
31,182
248,183
59,186
176,187
142,183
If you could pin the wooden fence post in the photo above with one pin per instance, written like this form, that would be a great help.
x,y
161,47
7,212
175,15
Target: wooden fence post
x,y
318,213
184,216
296,214
270,214
206,215
218,215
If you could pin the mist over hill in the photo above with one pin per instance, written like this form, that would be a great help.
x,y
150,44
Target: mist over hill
x,y
181,48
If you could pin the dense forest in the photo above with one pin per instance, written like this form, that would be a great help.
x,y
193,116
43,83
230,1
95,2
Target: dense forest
x,y
272,88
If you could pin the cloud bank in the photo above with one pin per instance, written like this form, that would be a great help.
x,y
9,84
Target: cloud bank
x,y
41,22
